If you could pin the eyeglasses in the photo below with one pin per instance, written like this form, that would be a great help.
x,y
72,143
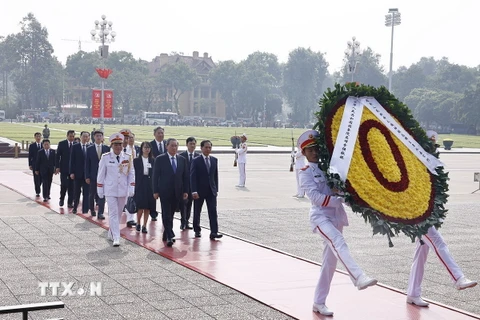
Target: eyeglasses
x,y
145,147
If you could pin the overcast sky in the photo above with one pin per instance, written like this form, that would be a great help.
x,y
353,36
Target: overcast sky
x,y
231,29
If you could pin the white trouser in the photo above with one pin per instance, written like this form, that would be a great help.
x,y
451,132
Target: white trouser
x,y
300,191
243,175
433,239
335,248
130,216
115,208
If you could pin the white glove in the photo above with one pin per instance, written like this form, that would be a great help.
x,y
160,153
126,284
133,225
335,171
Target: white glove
x,y
131,191
336,201
100,192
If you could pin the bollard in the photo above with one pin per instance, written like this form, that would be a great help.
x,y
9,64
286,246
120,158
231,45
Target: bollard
x,y
16,150
23,141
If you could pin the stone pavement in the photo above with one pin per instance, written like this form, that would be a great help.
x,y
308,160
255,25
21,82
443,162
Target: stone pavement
x,y
264,212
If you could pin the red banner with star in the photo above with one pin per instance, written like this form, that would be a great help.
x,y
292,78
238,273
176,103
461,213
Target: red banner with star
x,y
97,103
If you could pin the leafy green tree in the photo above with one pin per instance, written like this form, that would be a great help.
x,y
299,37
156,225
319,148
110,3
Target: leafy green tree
x,y
368,71
406,79
81,67
226,78
469,106
303,82
30,53
178,78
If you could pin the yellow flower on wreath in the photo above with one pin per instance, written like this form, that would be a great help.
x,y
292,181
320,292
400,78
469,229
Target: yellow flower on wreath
x,y
410,197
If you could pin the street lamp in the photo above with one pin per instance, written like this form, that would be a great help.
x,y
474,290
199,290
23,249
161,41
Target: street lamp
x,y
391,20
352,54
103,34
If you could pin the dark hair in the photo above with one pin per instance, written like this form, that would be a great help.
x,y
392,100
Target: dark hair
x,y
158,128
37,133
191,139
70,131
81,133
97,131
45,140
145,144
204,142
170,140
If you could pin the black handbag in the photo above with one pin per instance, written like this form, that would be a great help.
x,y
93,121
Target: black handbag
x,y
131,206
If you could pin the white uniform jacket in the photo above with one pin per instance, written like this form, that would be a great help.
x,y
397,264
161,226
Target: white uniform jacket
x,y
325,205
299,160
115,178
242,153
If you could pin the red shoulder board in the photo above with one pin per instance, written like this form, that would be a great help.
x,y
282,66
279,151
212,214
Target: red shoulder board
x,y
305,168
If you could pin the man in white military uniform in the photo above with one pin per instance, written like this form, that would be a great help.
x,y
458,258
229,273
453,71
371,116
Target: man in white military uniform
x,y
327,218
242,160
115,181
127,149
434,240
299,164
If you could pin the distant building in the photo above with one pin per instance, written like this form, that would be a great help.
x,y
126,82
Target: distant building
x,y
204,100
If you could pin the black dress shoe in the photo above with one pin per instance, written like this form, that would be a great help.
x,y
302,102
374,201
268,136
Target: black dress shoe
x,y
154,219
131,224
45,200
74,210
70,206
37,195
214,236
100,217
182,227
189,227
169,242
198,235
138,227
144,229
49,198
61,203
93,213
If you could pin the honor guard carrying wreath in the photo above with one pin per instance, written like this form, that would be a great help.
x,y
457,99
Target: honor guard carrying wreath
x,y
327,218
115,181
242,160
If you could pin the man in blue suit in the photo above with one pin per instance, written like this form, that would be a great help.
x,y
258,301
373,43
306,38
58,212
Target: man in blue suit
x,y
94,153
32,161
170,184
77,172
45,168
62,166
158,147
204,186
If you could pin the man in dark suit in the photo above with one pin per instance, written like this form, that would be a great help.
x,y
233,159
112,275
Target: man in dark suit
x,y
190,154
77,172
32,161
94,153
170,183
204,186
158,147
45,168
62,166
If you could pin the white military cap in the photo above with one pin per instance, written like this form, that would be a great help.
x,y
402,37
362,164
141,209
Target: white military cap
x,y
307,139
116,138
244,135
432,134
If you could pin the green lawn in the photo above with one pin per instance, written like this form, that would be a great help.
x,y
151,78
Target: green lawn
x,y
220,136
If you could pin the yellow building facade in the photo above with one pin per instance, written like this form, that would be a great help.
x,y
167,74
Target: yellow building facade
x,y
204,100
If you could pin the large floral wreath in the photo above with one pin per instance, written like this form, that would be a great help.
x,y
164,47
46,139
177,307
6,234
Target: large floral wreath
x,y
386,183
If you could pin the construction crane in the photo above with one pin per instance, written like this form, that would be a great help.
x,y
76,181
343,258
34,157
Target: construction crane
x,y
79,42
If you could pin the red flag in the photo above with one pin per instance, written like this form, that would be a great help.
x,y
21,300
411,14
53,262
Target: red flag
x,y
104,73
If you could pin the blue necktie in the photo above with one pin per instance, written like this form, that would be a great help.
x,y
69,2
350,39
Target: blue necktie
x,y
174,166
207,162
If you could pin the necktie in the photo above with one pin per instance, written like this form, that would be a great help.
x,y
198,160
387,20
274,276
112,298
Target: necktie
x,y
99,152
69,145
174,165
118,159
38,146
191,155
160,147
84,152
46,151
207,162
